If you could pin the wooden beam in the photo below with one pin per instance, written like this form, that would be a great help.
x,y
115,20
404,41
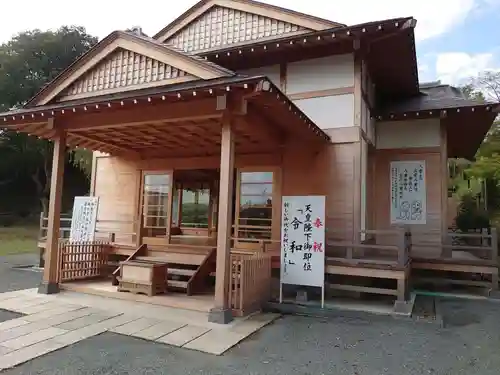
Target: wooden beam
x,y
103,143
50,282
162,113
222,310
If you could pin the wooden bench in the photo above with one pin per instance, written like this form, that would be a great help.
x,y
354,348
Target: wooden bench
x,y
468,254
372,261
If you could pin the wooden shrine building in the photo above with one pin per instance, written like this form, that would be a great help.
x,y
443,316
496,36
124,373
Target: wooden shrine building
x,y
198,132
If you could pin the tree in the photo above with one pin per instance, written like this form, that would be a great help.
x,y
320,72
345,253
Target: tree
x,y
33,58
471,91
489,84
486,165
28,62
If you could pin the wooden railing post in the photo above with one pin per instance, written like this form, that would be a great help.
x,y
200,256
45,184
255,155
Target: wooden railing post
x,y
447,250
401,243
494,245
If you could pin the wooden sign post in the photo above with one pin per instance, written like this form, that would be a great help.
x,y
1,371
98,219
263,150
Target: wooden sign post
x,y
303,242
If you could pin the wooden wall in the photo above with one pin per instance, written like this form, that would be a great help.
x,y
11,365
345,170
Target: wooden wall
x,y
431,231
116,182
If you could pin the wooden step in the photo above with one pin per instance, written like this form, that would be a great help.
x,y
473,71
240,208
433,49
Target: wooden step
x,y
181,272
176,258
177,284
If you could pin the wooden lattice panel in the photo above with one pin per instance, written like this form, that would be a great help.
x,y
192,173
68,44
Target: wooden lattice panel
x,y
82,260
222,26
122,69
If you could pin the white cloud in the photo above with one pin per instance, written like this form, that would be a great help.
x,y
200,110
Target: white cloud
x,y
101,17
457,67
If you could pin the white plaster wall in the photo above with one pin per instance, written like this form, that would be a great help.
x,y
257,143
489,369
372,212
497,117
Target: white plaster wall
x,y
408,134
320,74
329,111
271,71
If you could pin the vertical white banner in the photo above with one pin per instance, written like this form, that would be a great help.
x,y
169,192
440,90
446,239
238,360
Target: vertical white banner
x,y
83,221
408,192
303,240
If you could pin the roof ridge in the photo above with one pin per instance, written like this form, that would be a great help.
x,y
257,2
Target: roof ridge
x,y
201,3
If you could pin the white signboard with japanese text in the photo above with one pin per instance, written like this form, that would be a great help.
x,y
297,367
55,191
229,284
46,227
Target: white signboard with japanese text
x,y
408,192
84,219
303,240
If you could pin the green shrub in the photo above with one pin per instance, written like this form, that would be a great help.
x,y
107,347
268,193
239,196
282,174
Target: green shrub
x,y
470,216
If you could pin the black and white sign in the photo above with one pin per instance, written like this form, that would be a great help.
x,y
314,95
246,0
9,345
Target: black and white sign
x,y
84,219
408,192
303,240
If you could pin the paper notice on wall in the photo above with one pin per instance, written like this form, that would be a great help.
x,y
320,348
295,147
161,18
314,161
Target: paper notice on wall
x,y
408,192
303,240
83,221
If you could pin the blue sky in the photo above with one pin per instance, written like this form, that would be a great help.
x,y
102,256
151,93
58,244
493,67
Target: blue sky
x,y
456,39
469,47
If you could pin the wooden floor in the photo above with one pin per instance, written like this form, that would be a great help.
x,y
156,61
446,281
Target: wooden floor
x,y
202,303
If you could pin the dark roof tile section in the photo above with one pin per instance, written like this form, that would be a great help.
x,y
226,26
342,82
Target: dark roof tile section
x,y
433,96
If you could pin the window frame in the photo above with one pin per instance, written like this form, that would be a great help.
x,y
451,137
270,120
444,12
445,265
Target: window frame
x,y
275,227
142,206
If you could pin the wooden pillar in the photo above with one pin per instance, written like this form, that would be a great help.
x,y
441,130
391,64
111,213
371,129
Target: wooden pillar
x,y
222,311
50,282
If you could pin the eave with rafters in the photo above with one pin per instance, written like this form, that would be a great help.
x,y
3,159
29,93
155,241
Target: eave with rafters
x,y
173,121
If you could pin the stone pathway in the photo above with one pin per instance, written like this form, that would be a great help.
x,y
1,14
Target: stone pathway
x,y
56,321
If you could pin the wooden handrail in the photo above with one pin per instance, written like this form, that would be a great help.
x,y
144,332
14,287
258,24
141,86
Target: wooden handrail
x,y
402,247
132,256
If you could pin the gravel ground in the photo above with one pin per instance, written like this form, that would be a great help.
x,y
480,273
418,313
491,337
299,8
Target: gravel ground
x,y
298,345
8,315
17,279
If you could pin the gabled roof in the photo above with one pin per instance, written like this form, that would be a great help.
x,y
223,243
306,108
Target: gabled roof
x,y
255,14
92,69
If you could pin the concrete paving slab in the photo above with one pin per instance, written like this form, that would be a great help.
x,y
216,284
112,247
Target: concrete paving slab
x,y
8,324
85,321
58,315
47,305
158,330
21,303
184,335
4,350
77,335
33,338
253,323
216,341
17,357
22,330
135,326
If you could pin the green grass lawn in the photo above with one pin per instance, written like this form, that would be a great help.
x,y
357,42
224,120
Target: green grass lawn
x,y
17,240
